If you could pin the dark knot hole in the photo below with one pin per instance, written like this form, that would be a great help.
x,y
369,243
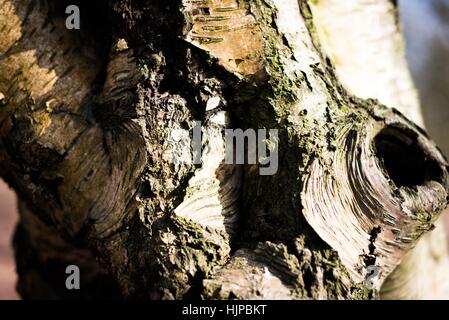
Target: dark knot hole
x,y
404,159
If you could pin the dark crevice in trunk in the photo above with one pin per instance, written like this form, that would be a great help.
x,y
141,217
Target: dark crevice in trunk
x,y
403,158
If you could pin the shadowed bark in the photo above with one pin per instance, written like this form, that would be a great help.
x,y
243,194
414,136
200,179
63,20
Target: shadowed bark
x,y
87,120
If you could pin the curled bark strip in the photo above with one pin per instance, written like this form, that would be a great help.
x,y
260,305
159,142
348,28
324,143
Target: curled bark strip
x,y
223,28
383,188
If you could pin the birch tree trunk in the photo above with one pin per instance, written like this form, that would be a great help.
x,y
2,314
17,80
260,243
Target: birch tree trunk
x,y
88,119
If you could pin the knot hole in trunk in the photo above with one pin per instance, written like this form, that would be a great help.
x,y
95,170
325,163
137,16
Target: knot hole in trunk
x,y
406,158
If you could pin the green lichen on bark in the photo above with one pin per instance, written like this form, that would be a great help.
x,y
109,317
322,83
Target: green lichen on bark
x,y
183,254
149,250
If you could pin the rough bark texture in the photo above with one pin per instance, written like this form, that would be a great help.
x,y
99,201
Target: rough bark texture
x,y
373,52
86,123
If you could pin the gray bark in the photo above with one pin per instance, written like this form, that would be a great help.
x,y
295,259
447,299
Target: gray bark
x,y
85,122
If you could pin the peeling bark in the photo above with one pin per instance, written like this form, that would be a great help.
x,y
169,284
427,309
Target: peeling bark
x,y
86,143
382,61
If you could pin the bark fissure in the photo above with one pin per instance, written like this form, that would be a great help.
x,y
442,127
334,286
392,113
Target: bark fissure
x,y
88,144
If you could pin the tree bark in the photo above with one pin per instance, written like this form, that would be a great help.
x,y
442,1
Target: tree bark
x,y
374,53
86,123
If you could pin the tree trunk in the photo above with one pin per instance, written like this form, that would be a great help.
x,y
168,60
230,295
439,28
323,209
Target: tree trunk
x,y
92,124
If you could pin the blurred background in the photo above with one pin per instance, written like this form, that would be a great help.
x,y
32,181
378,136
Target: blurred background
x,y
426,28
8,218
